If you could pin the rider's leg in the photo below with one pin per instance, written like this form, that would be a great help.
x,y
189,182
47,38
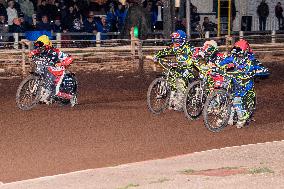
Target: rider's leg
x,y
180,83
49,87
58,82
232,115
241,112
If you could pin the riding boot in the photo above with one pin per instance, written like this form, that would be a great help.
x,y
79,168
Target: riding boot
x,y
231,118
172,100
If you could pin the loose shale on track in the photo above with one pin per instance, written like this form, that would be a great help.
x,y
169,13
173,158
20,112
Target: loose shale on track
x,y
111,125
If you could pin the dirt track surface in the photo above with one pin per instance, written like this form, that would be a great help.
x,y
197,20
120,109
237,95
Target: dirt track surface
x,y
112,125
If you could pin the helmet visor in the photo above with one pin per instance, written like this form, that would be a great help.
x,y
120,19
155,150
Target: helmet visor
x,y
177,42
38,44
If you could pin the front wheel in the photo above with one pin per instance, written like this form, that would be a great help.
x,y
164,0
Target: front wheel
x,y
28,93
194,100
217,110
158,96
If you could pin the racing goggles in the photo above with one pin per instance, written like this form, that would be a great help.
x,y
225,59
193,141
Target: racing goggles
x,y
38,44
178,40
238,52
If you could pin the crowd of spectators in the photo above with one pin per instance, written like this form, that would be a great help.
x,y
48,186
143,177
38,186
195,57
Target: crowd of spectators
x,y
92,16
70,15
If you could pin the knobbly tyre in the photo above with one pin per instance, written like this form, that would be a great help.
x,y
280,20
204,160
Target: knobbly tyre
x,y
195,96
159,91
218,105
31,90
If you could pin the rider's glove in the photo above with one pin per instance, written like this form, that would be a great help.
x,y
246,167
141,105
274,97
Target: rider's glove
x,y
32,53
155,59
231,65
58,64
67,61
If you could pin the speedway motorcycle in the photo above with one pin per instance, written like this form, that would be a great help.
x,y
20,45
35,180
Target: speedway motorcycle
x,y
32,90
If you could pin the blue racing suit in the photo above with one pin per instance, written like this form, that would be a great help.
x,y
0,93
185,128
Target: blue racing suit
x,y
245,69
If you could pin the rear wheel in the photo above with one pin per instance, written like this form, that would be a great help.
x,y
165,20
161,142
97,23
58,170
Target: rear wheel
x,y
217,110
194,100
158,96
28,93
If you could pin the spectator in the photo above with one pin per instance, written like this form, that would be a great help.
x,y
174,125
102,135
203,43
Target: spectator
x,y
111,18
3,27
90,23
109,3
42,9
262,12
136,16
28,9
158,8
153,14
58,11
3,11
194,18
63,9
57,27
120,13
208,25
17,26
44,24
11,12
17,6
102,27
51,9
71,19
77,26
26,25
279,15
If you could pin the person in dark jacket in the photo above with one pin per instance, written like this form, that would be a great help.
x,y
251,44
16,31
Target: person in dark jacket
x,y
44,24
262,12
136,16
279,15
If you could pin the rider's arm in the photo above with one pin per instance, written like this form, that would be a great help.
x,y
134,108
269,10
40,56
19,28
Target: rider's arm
x,y
165,52
34,52
226,61
67,61
260,70
64,58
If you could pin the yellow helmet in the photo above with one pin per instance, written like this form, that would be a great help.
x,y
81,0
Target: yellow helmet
x,y
45,40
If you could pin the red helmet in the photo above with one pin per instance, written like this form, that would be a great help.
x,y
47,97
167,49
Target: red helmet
x,y
243,45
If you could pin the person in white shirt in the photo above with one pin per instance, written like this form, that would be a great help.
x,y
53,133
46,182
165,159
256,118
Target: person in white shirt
x,y
11,12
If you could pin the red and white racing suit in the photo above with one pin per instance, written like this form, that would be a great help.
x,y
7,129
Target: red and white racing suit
x,y
57,61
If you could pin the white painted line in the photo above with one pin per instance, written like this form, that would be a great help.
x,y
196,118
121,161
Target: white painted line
x,y
46,177
129,164
238,146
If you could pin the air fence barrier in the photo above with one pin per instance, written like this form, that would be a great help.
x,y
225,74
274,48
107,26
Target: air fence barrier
x,y
123,55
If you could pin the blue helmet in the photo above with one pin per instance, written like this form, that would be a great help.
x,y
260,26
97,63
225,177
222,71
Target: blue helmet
x,y
178,38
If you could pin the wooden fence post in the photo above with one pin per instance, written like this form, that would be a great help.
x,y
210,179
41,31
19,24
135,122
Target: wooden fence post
x,y
273,36
58,40
140,56
16,40
241,34
98,39
23,60
229,43
25,42
136,42
132,41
